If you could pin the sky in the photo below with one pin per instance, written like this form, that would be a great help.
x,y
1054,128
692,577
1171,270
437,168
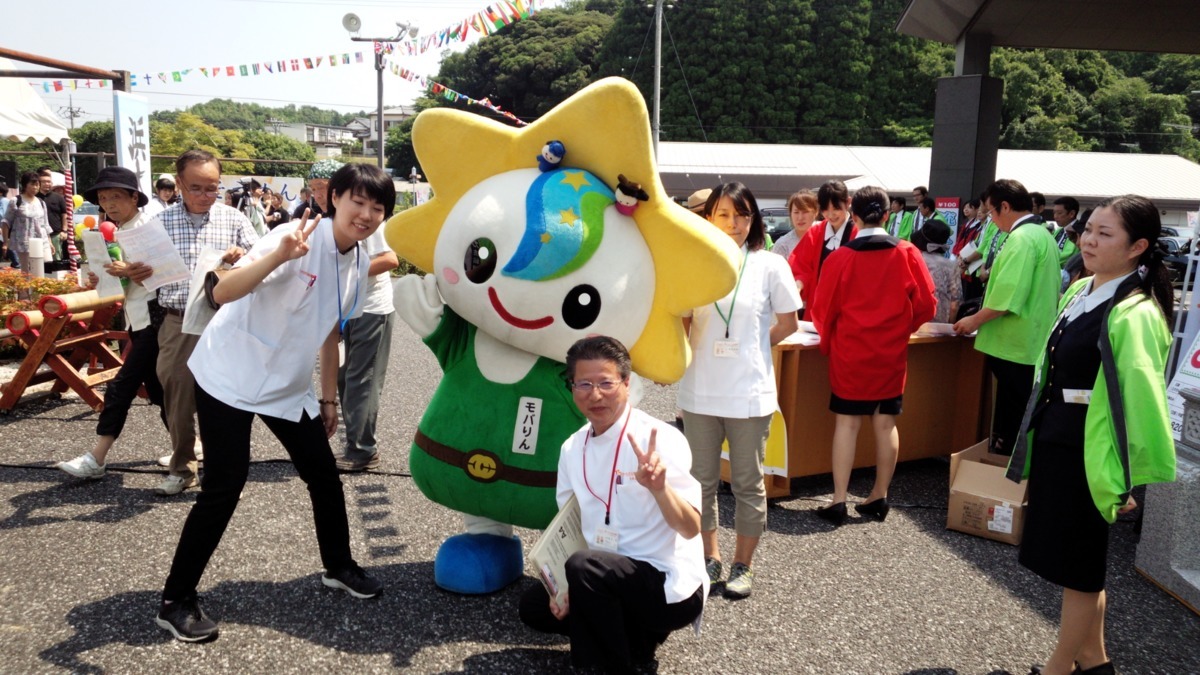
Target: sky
x,y
147,37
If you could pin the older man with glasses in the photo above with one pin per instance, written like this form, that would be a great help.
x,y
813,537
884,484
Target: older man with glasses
x,y
196,223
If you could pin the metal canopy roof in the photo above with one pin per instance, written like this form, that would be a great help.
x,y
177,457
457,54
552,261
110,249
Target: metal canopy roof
x,y
1125,25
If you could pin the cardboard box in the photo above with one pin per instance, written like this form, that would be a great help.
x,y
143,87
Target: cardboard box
x,y
982,501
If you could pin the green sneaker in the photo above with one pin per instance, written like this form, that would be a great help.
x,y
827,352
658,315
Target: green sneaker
x,y
741,577
713,567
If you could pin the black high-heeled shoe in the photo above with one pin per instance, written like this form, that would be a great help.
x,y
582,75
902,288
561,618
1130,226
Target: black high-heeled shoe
x,y
877,509
834,513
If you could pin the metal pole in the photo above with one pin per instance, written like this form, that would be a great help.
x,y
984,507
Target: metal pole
x,y
657,125
379,103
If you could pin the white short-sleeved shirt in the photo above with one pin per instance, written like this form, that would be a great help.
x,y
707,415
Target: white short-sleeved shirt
x,y
642,532
379,289
259,352
742,386
137,312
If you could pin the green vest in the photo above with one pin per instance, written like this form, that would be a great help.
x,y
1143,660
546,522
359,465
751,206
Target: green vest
x,y
1140,341
1024,282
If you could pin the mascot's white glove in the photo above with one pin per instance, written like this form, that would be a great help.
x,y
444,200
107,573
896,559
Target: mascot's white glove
x,y
418,302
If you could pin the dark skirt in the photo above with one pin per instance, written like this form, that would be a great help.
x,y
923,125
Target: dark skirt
x,y
845,406
1065,540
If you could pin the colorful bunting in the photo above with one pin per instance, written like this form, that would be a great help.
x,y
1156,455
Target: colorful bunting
x,y
487,21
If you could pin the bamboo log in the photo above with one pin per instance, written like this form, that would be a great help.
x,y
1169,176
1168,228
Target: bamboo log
x,y
57,305
19,322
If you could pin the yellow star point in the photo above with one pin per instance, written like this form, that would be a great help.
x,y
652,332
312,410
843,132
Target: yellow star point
x,y
575,179
568,217
606,130
546,237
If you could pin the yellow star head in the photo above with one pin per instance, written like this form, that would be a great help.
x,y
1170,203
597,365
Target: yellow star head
x,y
606,130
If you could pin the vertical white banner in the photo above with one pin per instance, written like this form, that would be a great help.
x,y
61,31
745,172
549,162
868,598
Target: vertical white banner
x,y
131,120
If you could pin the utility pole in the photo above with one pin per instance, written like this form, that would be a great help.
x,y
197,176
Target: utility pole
x,y
656,126
71,111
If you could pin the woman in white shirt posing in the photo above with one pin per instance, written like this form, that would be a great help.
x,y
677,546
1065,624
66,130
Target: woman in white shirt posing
x,y
283,305
728,391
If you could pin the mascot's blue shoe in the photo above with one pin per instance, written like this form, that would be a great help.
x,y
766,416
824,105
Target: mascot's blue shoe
x,y
473,564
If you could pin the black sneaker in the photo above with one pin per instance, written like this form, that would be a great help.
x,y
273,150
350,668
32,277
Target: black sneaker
x,y
354,580
186,621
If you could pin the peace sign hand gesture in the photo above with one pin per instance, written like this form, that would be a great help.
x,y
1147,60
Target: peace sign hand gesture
x,y
295,243
651,474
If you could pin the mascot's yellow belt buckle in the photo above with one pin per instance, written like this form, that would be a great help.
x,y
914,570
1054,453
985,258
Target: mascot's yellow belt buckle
x,y
484,466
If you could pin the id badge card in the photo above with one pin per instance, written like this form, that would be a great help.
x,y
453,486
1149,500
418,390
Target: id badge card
x,y
606,538
725,349
341,353
1080,396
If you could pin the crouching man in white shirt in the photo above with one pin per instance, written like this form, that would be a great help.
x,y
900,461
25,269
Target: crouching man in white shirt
x,y
643,573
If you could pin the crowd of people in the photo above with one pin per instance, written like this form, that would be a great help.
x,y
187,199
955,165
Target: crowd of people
x,y
1071,313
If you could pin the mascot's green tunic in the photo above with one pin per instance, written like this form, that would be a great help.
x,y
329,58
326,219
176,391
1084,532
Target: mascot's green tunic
x,y
469,451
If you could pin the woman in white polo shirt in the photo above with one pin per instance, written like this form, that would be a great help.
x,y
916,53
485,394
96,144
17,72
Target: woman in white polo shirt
x,y
728,391
283,304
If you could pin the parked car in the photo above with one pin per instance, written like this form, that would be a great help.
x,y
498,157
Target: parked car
x,y
1176,251
776,221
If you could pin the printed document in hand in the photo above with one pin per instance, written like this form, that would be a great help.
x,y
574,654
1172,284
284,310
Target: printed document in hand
x,y
548,556
97,254
151,246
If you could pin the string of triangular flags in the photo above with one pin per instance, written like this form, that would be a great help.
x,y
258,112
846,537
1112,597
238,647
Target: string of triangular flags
x,y
244,70
484,22
453,96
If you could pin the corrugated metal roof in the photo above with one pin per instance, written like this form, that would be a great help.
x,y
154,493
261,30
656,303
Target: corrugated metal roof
x,y
1088,176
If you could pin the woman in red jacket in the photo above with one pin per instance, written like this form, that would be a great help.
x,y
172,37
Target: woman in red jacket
x,y
822,239
874,292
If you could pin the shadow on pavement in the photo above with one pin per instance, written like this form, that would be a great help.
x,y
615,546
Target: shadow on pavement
x,y
407,618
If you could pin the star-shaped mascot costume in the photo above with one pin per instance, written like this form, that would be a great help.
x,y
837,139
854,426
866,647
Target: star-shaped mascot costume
x,y
522,258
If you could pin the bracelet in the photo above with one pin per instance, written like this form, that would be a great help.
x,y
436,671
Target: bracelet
x,y
324,401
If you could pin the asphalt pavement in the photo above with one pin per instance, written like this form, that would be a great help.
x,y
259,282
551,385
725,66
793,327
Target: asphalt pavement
x,y
82,564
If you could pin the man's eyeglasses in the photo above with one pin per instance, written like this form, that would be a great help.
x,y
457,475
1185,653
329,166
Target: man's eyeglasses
x,y
605,386
200,192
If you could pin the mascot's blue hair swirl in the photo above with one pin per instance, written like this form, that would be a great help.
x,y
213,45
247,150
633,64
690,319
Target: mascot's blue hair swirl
x,y
564,224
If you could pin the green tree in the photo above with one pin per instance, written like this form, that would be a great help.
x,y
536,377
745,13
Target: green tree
x,y
1127,116
190,132
273,146
96,136
530,66
1039,110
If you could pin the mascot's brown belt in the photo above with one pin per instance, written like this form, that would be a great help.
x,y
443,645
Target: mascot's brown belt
x,y
485,466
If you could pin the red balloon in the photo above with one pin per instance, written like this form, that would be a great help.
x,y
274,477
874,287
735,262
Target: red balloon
x,y
109,231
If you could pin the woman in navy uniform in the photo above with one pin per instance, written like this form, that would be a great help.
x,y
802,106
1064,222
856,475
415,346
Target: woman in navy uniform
x,y
1099,421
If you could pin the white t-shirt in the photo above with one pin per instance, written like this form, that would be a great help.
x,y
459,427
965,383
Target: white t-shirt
x,y
379,288
739,386
136,295
259,352
642,532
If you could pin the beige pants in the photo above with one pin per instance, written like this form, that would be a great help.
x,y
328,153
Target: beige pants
x,y
179,394
747,445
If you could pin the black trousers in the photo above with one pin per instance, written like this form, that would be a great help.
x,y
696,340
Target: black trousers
x,y
226,434
618,614
138,370
1014,384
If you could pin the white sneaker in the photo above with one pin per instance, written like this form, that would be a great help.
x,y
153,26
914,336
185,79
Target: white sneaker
x,y
165,460
173,485
83,466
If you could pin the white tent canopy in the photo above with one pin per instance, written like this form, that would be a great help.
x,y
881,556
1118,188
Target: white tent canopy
x,y
23,114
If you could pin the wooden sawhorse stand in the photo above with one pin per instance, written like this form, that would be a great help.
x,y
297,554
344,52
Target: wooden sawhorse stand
x,y
69,333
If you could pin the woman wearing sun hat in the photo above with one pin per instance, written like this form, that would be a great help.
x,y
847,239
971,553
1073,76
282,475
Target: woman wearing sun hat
x,y
116,192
